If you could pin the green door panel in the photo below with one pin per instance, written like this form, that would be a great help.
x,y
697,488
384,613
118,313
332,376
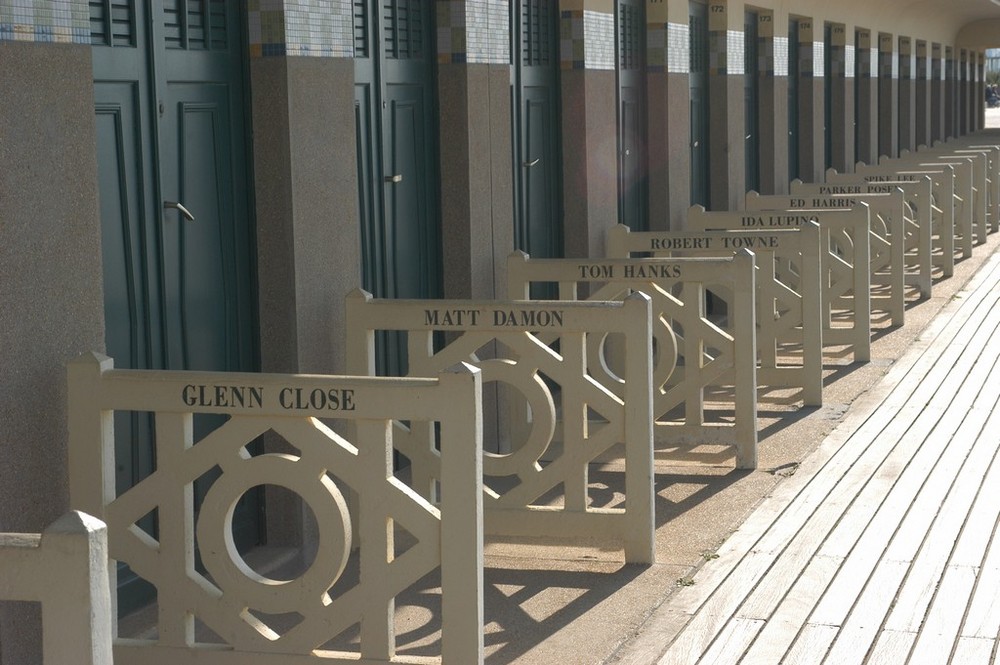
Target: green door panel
x,y
698,85
631,51
179,294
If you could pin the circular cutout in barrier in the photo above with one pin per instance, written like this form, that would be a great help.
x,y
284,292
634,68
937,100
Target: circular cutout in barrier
x,y
542,425
224,563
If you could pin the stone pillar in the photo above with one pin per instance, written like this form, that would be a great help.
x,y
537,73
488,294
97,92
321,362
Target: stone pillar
x,y
669,115
308,240
841,103
979,94
922,113
937,94
963,93
811,121
726,128
950,93
866,73
773,102
907,97
589,125
477,228
51,279
888,97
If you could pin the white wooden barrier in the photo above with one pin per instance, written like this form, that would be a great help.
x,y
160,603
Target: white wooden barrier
x,y
915,223
938,206
887,240
552,354
708,357
844,265
948,186
789,312
980,181
966,220
992,153
65,568
233,600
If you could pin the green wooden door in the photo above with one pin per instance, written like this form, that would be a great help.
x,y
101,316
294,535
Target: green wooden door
x,y
537,160
398,192
177,234
632,179
793,99
699,92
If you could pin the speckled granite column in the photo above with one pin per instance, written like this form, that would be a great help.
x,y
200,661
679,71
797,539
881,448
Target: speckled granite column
x,y
841,79
773,120
888,97
937,94
51,293
667,90
907,96
589,125
727,146
811,111
866,79
922,112
476,141
306,193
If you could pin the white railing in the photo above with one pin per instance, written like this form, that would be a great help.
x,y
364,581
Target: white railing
x,y
65,568
353,451
710,397
789,314
844,261
571,408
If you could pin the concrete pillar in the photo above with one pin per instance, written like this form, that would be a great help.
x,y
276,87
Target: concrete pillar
x,y
922,113
888,97
980,92
474,90
866,84
937,94
589,125
726,90
669,115
963,93
811,120
907,97
840,83
950,93
51,281
773,120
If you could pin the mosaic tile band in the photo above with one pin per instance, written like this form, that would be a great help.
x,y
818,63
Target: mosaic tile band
x,y
587,40
56,21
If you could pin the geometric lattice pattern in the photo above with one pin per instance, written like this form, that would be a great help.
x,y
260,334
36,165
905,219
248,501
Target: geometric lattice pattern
x,y
558,414
789,336
327,466
708,395
892,230
845,264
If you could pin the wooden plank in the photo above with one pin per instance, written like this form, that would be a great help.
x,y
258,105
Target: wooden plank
x,y
892,648
812,643
859,630
791,613
732,642
940,630
973,651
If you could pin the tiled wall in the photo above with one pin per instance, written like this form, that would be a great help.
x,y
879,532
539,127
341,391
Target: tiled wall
x,y
301,27
587,40
63,21
473,31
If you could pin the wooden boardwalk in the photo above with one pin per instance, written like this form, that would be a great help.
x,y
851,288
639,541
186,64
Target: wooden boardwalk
x,y
881,548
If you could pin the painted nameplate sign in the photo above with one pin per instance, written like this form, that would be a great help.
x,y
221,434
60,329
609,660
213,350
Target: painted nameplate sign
x,y
777,220
534,318
270,398
717,242
835,190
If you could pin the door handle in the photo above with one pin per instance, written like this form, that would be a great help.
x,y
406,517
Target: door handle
x,y
528,165
393,179
185,213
